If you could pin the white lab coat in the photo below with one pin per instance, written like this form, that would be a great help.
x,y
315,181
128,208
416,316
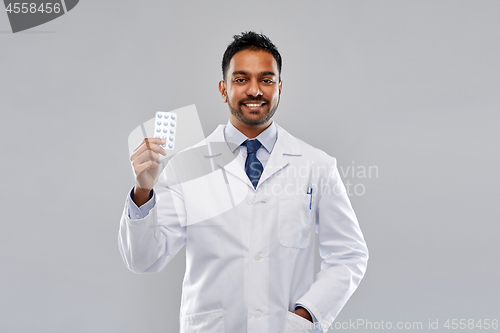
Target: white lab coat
x,y
250,252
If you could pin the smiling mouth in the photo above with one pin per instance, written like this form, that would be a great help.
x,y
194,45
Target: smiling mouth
x,y
253,104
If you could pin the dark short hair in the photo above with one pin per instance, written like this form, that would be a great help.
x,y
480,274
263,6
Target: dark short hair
x,y
250,41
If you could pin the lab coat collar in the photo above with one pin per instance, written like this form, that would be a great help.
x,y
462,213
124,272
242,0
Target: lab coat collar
x,y
222,154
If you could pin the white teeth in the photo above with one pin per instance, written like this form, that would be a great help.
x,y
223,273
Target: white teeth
x,y
253,105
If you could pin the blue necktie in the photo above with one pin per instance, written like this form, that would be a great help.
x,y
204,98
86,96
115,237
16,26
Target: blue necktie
x,y
253,167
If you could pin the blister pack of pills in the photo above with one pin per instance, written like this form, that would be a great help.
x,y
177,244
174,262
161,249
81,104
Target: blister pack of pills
x,y
165,128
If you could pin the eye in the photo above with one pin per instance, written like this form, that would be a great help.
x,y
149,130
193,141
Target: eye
x,y
239,80
269,81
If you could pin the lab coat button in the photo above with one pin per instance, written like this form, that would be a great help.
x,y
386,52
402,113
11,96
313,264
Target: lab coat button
x,y
257,314
138,215
249,200
257,257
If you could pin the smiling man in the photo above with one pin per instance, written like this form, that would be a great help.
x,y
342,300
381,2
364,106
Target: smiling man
x,y
249,266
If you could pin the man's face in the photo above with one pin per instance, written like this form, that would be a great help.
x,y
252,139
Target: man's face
x,y
252,88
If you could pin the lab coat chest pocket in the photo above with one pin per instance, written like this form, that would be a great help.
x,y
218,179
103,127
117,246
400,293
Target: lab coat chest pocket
x,y
295,221
204,322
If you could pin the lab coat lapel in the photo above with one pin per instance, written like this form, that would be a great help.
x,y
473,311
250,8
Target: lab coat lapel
x,y
285,145
221,155
234,167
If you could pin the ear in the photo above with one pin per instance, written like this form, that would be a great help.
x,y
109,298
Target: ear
x,y
279,86
222,90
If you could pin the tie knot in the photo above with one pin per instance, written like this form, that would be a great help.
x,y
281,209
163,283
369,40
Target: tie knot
x,y
252,146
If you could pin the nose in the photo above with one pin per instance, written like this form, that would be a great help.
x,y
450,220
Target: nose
x,y
253,89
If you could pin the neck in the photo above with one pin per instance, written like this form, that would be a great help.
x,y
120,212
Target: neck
x,y
248,130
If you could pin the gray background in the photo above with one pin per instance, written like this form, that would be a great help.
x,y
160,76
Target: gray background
x,y
411,87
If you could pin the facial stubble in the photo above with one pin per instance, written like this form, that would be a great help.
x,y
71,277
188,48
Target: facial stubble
x,y
238,113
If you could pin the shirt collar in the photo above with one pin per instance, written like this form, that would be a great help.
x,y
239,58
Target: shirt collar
x,y
267,138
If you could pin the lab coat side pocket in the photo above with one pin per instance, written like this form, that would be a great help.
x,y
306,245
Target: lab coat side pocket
x,y
298,324
204,322
294,221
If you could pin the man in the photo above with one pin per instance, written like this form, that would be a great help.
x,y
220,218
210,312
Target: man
x,y
248,224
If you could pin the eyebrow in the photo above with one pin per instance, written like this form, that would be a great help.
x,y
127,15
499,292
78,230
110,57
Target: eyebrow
x,y
261,73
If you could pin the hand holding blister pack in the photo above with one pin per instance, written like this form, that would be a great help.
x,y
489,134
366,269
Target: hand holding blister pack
x,y
155,142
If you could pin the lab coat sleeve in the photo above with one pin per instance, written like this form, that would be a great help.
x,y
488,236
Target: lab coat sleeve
x,y
147,244
343,249
135,212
